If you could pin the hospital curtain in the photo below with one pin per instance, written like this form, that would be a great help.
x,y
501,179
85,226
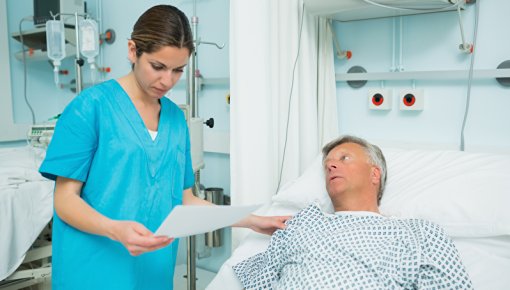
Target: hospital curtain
x,y
277,113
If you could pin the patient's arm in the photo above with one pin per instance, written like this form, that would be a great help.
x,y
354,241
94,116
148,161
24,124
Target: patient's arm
x,y
441,266
263,270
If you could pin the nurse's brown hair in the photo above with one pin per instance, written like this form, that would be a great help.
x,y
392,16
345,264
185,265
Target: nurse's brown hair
x,y
160,26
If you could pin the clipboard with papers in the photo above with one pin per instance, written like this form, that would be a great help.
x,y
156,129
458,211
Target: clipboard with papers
x,y
191,220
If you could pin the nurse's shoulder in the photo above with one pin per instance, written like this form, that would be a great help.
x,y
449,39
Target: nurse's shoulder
x,y
85,107
87,97
172,109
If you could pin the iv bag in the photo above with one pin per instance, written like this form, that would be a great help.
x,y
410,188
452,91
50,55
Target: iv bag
x,y
89,39
55,41
89,43
55,44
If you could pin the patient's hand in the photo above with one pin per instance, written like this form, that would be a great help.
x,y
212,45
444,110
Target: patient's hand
x,y
267,224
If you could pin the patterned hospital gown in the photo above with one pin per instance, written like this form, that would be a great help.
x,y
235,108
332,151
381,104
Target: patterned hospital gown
x,y
355,250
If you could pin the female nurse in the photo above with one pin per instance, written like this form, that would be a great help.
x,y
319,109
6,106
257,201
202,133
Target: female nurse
x,y
120,156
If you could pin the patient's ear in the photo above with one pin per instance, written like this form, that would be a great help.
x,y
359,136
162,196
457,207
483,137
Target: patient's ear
x,y
375,175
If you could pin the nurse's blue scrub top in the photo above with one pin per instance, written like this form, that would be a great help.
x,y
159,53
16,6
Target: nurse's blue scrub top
x,y
101,140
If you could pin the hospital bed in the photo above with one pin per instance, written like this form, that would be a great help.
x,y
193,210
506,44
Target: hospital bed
x,y
468,194
26,208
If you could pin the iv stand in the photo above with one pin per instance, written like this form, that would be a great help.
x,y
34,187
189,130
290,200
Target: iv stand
x,y
192,100
78,61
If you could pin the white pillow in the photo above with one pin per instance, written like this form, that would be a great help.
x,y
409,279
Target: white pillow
x,y
466,193
308,188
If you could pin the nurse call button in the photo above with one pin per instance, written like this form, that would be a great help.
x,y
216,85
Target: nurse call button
x,y
377,99
409,100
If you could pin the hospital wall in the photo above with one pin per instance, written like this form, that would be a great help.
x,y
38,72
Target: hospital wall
x,y
429,43
48,100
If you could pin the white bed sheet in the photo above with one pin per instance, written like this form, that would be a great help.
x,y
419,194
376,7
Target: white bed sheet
x,y
26,204
487,260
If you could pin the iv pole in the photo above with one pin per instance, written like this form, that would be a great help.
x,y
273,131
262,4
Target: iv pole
x,y
192,101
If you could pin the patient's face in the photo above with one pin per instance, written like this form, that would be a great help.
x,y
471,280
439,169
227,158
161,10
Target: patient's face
x,y
347,171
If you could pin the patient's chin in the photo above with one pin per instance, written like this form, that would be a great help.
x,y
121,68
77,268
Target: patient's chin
x,y
335,192
336,185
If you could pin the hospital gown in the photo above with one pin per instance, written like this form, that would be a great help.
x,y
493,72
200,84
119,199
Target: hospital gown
x,y
101,140
355,250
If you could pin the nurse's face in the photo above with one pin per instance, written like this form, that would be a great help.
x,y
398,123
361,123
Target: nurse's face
x,y
156,73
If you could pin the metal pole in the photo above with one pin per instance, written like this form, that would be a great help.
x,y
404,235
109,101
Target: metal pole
x,y
192,96
192,101
191,265
78,61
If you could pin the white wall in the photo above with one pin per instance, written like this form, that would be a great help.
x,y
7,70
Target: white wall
x,y
430,42
10,130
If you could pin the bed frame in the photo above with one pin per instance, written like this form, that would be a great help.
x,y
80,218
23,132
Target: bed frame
x,y
35,268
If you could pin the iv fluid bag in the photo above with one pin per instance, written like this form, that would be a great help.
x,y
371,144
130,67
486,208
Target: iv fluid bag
x,y
55,40
89,43
89,39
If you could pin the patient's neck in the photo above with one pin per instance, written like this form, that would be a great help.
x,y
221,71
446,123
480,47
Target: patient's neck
x,y
355,204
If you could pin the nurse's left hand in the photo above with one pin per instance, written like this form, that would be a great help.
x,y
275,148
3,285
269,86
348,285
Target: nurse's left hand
x,y
136,238
266,224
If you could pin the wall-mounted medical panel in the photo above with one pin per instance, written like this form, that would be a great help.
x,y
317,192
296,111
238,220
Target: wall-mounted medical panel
x,y
411,100
379,99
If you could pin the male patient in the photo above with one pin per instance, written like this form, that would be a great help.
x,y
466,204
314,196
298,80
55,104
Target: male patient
x,y
357,247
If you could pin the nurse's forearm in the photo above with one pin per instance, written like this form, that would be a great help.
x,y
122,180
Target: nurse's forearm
x,y
188,198
72,209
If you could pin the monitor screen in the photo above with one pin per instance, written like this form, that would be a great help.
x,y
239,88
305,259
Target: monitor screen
x,y
42,10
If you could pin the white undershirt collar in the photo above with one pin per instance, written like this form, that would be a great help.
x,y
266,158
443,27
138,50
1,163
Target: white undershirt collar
x,y
153,134
358,213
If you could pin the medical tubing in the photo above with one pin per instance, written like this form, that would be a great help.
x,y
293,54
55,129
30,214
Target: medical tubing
x,y
461,29
400,44
55,75
25,67
335,39
290,98
414,9
470,77
393,67
93,73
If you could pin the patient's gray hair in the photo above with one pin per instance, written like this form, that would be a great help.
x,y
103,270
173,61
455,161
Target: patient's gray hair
x,y
374,153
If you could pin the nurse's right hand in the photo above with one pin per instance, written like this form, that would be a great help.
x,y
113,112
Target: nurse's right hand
x,y
136,238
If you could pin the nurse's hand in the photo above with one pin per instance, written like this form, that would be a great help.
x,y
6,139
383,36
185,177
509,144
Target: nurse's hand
x,y
136,238
265,224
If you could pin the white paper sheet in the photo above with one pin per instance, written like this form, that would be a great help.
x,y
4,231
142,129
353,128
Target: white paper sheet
x,y
191,220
